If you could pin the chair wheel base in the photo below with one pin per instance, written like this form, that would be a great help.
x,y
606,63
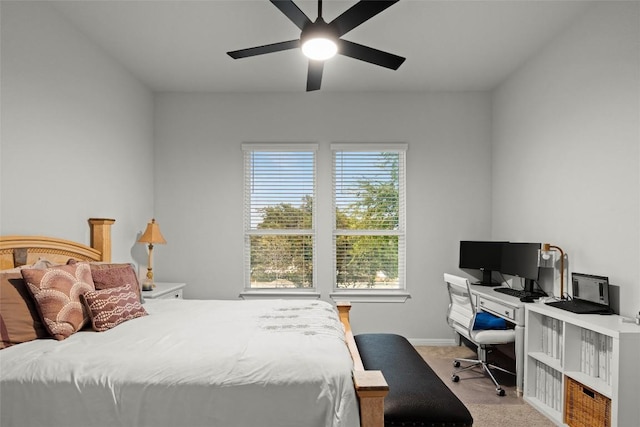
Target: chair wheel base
x,y
500,392
455,378
456,364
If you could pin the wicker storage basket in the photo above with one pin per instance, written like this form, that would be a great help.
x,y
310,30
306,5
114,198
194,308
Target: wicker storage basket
x,y
585,407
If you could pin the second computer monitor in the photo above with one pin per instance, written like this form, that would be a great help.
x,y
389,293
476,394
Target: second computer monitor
x,y
521,259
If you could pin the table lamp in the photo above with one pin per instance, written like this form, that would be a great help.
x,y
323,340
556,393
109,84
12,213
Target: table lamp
x,y
546,255
151,235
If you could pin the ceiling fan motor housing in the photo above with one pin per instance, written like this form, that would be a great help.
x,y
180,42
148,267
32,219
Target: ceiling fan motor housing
x,y
319,29
319,40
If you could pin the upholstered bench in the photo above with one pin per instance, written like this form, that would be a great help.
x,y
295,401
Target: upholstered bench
x,y
417,396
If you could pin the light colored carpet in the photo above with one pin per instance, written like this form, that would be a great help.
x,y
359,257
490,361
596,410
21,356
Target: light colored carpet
x,y
478,393
507,415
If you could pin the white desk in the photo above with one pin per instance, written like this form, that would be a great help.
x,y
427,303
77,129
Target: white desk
x,y
512,310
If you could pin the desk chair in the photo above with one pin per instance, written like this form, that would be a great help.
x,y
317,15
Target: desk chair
x,y
461,316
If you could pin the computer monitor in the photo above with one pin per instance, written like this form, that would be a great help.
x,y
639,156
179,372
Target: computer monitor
x,y
485,256
521,260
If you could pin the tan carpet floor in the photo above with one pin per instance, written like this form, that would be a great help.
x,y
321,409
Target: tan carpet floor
x,y
478,393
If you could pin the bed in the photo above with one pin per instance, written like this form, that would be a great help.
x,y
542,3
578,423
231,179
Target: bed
x,y
187,362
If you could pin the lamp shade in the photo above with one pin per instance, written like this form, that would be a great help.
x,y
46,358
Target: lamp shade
x,y
152,234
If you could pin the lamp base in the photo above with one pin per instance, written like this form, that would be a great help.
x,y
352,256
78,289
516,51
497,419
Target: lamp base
x,y
148,286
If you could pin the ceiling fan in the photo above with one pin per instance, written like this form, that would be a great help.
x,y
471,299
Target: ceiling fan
x,y
320,40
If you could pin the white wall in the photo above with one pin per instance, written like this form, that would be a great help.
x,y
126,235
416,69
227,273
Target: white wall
x,y
77,133
198,186
77,141
566,158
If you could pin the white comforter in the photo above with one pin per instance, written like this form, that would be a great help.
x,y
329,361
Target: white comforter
x,y
190,363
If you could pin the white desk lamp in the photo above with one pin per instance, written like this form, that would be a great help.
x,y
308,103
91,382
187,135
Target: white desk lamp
x,y
547,259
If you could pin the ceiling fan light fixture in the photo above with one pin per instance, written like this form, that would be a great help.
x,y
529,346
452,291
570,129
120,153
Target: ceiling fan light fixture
x,y
320,40
319,48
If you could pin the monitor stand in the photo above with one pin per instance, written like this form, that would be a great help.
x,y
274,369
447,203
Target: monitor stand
x,y
529,287
487,279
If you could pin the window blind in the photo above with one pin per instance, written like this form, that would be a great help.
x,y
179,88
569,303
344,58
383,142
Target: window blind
x,y
280,187
369,215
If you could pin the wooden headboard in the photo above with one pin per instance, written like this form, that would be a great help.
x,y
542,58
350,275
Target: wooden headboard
x,y
21,250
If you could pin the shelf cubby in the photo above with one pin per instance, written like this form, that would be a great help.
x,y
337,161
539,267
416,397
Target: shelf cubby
x,y
599,353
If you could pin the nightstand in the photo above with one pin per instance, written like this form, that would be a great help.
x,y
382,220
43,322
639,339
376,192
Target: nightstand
x,y
164,290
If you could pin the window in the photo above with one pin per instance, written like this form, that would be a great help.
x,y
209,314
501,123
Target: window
x,y
369,215
361,205
279,215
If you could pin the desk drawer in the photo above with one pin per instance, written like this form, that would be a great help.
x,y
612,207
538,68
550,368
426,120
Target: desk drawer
x,y
495,307
177,294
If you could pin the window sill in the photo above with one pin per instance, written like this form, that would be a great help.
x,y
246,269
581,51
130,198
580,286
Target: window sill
x,y
370,296
277,293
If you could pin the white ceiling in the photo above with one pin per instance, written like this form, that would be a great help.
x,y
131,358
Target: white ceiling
x,y
449,44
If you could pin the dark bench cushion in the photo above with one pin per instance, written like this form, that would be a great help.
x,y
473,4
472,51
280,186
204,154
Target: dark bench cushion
x,y
417,396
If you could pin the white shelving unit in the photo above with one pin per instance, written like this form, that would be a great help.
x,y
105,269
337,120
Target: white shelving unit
x,y
599,352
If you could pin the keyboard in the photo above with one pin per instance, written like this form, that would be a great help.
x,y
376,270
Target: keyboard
x,y
581,307
518,293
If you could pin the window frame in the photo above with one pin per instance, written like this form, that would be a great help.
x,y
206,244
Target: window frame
x,y
398,294
276,292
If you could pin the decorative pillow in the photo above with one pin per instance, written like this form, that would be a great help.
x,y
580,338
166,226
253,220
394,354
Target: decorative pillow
x,y
486,320
110,307
106,276
56,292
40,264
19,318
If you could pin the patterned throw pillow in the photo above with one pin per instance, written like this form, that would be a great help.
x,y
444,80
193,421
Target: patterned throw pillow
x,y
110,307
56,292
107,276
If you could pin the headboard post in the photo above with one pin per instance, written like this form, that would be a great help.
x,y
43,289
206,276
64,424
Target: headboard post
x,y
101,236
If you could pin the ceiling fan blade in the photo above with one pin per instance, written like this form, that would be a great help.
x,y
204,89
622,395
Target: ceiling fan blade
x,y
359,13
369,54
261,50
292,12
314,75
